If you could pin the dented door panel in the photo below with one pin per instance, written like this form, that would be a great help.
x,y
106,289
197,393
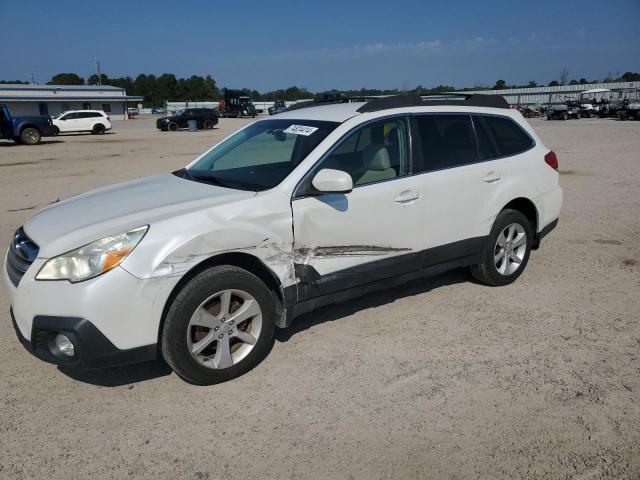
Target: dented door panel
x,y
338,232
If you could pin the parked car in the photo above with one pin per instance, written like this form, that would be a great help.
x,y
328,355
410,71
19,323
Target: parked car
x,y
318,205
278,107
27,130
94,121
205,118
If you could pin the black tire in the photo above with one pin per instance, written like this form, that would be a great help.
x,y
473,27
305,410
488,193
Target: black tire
x,y
208,124
30,136
565,116
578,116
487,272
172,127
56,131
98,129
174,346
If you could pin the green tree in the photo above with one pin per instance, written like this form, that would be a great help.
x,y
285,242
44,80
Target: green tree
x,y
554,83
500,85
93,79
532,84
66,79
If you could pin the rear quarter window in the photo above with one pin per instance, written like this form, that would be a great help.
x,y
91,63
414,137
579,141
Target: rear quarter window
x,y
510,138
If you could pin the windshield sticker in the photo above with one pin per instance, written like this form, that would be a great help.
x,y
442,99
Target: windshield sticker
x,y
300,130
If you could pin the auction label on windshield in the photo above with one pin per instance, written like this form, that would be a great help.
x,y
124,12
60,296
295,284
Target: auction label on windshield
x,y
300,130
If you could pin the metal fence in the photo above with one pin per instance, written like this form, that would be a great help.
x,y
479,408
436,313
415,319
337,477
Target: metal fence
x,y
546,95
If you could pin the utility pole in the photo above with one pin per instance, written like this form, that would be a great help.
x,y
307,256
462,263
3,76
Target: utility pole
x,y
33,79
99,74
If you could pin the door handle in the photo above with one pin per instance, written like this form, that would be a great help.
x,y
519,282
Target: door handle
x,y
407,196
492,177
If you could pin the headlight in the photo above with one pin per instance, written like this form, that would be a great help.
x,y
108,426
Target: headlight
x,y
93,259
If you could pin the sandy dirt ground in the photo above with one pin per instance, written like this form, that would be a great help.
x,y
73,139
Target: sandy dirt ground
x,y
442,378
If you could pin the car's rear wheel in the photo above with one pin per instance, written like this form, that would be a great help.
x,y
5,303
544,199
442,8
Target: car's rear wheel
x,y
208,124
173,126
98,129
219,326
30,136
506,251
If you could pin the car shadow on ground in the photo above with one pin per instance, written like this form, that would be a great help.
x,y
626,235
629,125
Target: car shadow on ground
x,y
43,142
337,311
118,376
140,372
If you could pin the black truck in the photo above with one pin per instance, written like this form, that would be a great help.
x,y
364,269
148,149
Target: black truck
x,y
235,103
205,118
27,130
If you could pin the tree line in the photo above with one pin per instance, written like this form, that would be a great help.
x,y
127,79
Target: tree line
x,y
157,90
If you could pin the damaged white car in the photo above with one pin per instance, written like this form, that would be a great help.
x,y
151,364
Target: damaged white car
x,y
318,204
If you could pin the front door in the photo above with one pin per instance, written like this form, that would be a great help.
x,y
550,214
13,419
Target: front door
x,y
371,233
71,122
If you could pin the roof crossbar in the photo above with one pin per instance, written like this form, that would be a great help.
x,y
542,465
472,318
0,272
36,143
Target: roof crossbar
x,y
415,100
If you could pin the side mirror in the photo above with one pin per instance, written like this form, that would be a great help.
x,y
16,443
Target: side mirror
x,y
332,181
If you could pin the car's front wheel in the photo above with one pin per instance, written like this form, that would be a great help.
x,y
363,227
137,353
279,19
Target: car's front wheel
x,y
208,124
506,251
219,326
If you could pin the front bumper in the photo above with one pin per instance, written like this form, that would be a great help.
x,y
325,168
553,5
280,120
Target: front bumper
x,y
92,349
114,318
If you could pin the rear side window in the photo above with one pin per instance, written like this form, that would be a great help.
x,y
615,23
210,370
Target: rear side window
x,y
509,136
446,141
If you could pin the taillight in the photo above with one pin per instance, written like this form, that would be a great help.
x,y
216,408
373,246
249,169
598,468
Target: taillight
x,y
551,159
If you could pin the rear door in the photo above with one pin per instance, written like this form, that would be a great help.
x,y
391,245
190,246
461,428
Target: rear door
x,y
373,232
465,184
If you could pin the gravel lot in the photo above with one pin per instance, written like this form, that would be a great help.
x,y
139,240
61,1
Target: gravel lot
x,y
443,378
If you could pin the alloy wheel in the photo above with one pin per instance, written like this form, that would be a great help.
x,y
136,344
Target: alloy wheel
x,y
224,329
510,249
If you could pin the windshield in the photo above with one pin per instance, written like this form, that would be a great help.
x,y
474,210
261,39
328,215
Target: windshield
x,y
260,156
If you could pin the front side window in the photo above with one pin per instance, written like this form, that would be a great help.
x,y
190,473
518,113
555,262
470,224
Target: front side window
x,y
376,152
446,141
260,156
510,137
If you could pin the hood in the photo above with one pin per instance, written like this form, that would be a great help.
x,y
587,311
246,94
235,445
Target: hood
x,y
82,219
33,118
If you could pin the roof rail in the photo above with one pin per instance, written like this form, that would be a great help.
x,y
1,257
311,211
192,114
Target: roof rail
x,y
415,100
327,101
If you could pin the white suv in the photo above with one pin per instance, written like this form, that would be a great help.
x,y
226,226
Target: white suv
x,y
94,121
312,206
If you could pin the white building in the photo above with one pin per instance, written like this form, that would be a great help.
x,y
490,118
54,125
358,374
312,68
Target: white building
x,y
53,99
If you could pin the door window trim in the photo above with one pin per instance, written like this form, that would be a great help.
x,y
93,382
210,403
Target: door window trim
x,y
415,144
308,177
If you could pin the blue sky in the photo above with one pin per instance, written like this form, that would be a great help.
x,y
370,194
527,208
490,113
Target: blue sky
x,y
320,45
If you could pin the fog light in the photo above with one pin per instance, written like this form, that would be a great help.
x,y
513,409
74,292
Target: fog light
x,y
64,345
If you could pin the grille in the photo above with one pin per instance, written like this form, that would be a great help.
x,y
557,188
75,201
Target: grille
x,y
22,253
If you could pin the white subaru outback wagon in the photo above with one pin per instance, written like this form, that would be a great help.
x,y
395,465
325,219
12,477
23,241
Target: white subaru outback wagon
x,y
315,205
